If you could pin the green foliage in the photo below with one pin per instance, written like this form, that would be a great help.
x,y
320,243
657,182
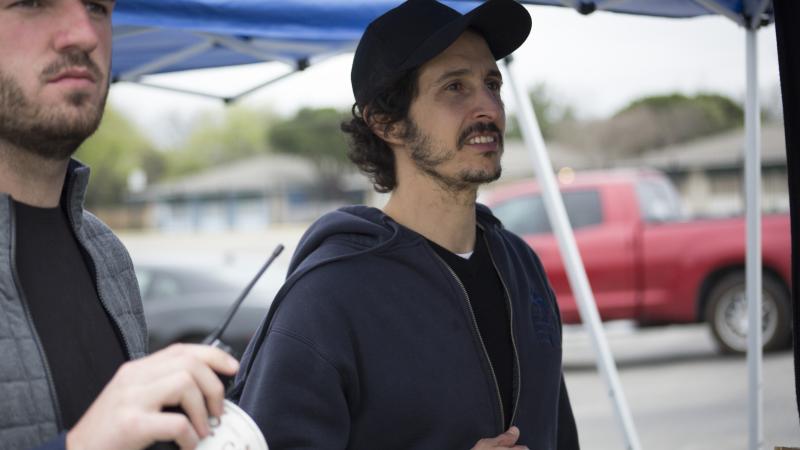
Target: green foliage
x,y
711,113
656,102
312,133
240,133
315,134
658,121
723,112
113,153
653,122
550,113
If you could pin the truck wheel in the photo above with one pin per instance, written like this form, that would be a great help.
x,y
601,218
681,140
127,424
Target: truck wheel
x,y
726,313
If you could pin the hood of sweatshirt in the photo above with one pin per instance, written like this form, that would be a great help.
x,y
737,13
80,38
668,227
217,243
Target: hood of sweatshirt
x,y
351,230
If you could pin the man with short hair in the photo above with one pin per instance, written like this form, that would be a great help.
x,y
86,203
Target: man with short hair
x,y
425,325
73,370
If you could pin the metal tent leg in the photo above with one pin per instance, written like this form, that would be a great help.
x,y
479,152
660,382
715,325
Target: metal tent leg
x,y
752,178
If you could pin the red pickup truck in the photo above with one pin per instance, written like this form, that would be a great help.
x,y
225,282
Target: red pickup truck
x,y
647,262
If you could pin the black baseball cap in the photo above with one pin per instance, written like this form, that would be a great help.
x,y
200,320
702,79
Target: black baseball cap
x,y
415,32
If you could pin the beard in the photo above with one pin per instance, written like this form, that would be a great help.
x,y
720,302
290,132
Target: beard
x,y
429,156
52,132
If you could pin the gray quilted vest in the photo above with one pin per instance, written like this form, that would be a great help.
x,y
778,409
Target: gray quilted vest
x,y
29,414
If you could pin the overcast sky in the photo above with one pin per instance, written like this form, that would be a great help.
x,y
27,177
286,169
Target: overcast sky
x,y
596,63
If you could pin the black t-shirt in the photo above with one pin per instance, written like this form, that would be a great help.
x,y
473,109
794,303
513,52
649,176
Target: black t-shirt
x,y
488,300
81,345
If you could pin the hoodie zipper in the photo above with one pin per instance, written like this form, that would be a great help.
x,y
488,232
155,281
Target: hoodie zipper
x,y
518,371
51,385
78,238
480,338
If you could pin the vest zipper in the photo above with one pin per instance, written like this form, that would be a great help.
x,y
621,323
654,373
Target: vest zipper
x,y
51,385
114,320
518,371
480,339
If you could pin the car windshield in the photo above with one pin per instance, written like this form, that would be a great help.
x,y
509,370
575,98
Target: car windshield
x,y
659,201
525,214
171,281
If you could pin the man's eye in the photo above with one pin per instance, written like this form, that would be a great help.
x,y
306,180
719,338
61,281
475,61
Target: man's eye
x,y
97,8
494,85
455,86
28,4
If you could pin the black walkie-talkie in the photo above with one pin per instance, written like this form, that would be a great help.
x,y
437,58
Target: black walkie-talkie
x,y
214,339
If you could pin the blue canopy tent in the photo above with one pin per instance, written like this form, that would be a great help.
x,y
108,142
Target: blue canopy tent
x,y
153,36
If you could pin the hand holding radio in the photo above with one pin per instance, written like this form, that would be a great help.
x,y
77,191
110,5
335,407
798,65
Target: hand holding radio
x,y
130,411
172,398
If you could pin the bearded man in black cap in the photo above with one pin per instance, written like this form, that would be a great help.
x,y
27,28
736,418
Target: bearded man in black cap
x,y
425,325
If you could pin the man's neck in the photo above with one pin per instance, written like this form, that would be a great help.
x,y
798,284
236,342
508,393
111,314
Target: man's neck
x,y
445,217
29,178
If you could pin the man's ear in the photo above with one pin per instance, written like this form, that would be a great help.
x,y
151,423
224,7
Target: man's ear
x,y
390,132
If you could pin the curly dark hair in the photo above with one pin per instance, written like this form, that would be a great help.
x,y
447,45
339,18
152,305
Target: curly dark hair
x,y
368,151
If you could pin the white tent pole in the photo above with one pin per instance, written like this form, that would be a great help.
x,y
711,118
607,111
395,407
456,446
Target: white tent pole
x,y
752,178
576,272
166,60
715,6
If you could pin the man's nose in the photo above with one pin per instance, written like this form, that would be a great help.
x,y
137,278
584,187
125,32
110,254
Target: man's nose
x,y
76,29
488,105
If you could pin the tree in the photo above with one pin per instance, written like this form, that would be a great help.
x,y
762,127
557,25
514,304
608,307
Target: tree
x,y
239,133
114,152
657,121
716,112
551,113
315,134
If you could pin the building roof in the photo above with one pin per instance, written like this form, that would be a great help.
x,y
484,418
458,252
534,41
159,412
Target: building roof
x,y
262,173
279,172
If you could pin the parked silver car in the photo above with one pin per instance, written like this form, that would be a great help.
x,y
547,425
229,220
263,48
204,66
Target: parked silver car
x,y
185,304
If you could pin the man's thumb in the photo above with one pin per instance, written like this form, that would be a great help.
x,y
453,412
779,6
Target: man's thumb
x,y
508,438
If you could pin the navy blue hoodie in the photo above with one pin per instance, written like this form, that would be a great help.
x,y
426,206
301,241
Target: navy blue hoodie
x,y
371,344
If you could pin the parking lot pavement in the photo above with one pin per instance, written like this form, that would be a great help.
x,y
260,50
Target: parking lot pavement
x,y
682,394
211,248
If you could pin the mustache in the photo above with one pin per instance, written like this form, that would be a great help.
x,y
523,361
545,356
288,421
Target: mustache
x,y
74,59
480,127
